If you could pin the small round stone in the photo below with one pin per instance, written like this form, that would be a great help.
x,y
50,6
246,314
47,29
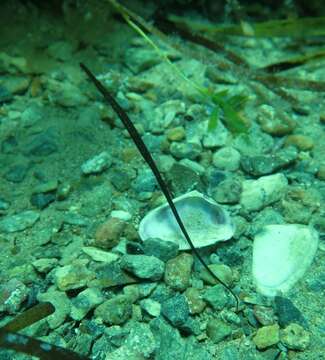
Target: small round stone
x,y
226,158
176,133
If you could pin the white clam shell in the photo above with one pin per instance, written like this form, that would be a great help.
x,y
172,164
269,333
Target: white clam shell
x,y
281,255
205,221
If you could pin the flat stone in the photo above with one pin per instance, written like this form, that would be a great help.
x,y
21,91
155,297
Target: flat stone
x,y
267,336
143,266
84,302
115,311
73,276
19,222
217,330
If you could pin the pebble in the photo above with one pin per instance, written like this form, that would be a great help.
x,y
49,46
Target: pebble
x,y
12,294
302,142
46,187
194,299
274,124
264,191
32,114
115,311
4,205
217,137
163,250
258,165
167,115
84,302
75,219
267,336
143,266
109,233
267,216
140,59
43,144
226,158
218,330
19,222
45,265
100,255
178,272
140,339
185,150
65,93
183,178
254,142
144,182
295,337
9,145
139,85
216,296
296,212
97,164
165,162
151,307
287,312
176,133
121,214
5,95
193,165
223,272
13,64
61,50
121,177
41,201
176,310
16,85
16,173
74,276
227,191
321,172
264,315
62,306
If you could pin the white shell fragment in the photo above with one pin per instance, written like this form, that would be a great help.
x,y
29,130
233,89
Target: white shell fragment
x,y
281,255
205,221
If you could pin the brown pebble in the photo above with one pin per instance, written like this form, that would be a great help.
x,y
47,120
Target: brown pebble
x,y
302,142
321,172
322,117
109,233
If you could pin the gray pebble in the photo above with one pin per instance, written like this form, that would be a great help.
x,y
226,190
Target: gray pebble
x,y
143,266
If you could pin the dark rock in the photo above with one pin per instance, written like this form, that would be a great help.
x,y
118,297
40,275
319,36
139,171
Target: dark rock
x,y
176,310
42,145
163,250
228,191
5,95
9,145
120,178
183,179
268,164
16,173
288,313
42,200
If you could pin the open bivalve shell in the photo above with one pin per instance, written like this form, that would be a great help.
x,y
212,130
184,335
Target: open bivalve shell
x,y
205,221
